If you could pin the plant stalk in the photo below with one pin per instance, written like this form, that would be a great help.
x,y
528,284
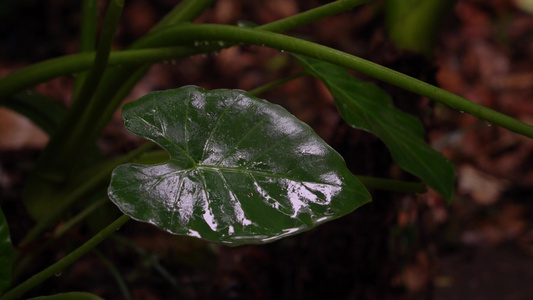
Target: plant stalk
x,y
62,148
89,186
311,15
89,18
271,85
188,33
59,266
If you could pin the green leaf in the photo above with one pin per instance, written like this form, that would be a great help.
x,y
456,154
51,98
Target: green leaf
x,y
365,106
69,296
242,170
6,254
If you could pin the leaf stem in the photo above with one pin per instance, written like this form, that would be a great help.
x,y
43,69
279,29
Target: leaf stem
x,y
311,15
59,266
89,17
94,182
187,10
63,146
273,84
22,263
187,33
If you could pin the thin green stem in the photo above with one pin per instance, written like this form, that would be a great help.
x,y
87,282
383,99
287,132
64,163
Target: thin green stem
x,y
311,15
190,9
41,72
22,263
93,183
271,85
186,11
62,148
59,266
89,17
187,33
114,11
392,185
80,217
101,119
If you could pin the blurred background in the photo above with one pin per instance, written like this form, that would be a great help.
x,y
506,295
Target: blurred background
x,y
401,246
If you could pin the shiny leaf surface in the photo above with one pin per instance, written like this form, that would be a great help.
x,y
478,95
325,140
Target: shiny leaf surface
x,y
6,254
365,106
242,170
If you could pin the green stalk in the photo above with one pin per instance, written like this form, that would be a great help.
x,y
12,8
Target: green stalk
x,y
104,117
188,33
43,71
46,70
186,11
93,183
271,85
62,148
89,17
28,258
311,15
80,217
59,266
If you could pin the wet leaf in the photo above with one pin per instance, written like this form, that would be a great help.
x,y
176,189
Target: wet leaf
x,y
365,106
6,254
242,170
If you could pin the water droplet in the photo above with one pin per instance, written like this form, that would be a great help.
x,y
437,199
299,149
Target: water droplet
x,y
57,274
216,53
221,43
461,111
281,50
489,124
197,43
206,43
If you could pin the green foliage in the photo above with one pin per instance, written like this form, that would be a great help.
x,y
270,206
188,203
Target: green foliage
x,y
241,170
365,106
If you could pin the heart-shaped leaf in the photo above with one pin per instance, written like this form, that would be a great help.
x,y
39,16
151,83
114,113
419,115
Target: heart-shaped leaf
x,y
365,106
6,254
242,170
